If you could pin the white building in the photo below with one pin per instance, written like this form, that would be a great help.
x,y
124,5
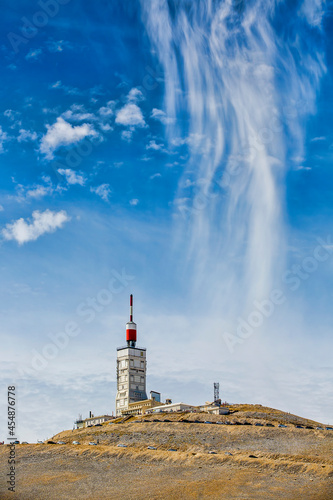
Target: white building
x,y
173,407
131,377
92,420
97,420
214,409
131,369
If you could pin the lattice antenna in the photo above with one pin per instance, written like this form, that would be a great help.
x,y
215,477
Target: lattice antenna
x,y
216,391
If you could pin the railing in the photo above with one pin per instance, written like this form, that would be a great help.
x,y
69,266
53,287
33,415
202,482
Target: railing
x,y
129,347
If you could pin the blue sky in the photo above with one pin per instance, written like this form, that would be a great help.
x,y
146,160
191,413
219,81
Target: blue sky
x,y
186,150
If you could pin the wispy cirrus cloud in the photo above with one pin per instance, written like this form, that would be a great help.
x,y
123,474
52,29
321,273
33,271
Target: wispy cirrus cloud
x,y
224,86
313,11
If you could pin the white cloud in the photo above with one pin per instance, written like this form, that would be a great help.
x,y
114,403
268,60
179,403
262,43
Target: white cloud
x,y
78,113
145,158
39,191
57,46
135,95
53,111
194,141
298,159
97,90
11,114
313,11
28,101
317,139
130,115
156,147
26,135
105,127
134,202
66,88
107,110
56,85
154,176
126,135
158,114
180,201
42,222
1,208
189,183
103,191
3,139
301,167
14,117
78,117
33,54
63,133
72,177
173,164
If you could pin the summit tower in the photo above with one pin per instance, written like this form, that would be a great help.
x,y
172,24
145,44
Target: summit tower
x,y
131,369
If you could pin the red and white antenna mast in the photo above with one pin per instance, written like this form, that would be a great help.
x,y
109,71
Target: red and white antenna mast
x,y
131,308
131,327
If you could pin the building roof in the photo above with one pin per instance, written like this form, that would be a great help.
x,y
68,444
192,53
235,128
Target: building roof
x,y
100,416
170,405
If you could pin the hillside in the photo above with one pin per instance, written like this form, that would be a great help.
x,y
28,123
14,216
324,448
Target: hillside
x,y
244,461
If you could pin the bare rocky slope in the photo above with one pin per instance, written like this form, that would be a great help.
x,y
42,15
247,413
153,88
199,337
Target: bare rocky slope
x,y
239,461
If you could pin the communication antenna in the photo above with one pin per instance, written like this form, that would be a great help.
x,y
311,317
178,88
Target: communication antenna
x,y
131,327
216,391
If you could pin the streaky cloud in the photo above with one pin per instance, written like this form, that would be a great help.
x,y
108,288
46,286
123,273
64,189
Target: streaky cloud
x,y
239,77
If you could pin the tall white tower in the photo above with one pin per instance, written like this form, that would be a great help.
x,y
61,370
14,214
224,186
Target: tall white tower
x,y
131,369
